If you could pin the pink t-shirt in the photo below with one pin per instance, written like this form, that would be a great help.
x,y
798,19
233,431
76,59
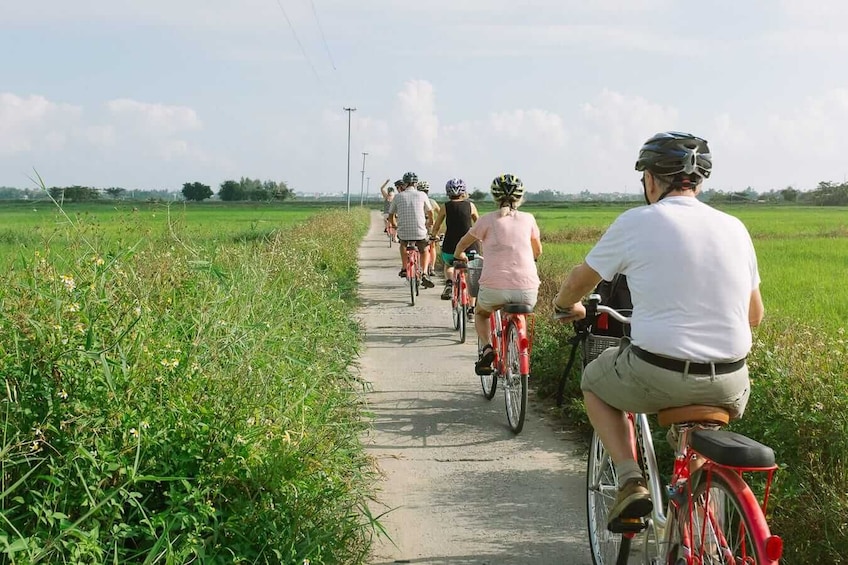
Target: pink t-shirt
x,y
508,257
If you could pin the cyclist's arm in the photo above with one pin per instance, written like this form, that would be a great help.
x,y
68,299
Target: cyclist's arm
x,y
580,281
383,188
756,310
536,244
474,214
437,225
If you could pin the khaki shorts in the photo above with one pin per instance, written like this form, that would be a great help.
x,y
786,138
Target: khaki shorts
x,y
490,299
628,383
421,244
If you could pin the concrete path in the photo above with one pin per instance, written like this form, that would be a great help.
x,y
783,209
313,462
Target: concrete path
x,y
460,487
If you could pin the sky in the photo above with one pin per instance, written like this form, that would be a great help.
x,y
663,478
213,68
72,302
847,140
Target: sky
x,y
151,95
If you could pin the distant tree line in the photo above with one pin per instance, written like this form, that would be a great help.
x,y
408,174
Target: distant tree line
x,y
243,189
825,194
230,190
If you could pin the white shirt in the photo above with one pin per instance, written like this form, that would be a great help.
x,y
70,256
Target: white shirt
x,y
691,270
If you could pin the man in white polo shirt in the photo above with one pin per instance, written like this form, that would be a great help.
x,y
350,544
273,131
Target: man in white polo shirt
x,y
411,212
693,278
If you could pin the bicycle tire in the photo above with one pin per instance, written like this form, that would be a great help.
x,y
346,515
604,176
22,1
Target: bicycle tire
x,y
463,322
455,308
488,382
412,292
736,531
601,488
515,383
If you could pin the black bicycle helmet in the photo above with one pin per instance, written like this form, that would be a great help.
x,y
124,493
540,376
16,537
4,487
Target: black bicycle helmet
x,y
398,183
410,178
673,153
507,188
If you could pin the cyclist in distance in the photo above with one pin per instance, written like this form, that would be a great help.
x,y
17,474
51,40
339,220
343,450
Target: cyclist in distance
x,y
430,268
693,278
458,214
512,244
411,213
388,196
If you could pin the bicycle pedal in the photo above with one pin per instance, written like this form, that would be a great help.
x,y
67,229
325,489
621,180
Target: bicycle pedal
x,y
627,525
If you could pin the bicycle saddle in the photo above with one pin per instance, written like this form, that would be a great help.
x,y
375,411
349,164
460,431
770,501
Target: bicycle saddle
x,y
518,309
693,413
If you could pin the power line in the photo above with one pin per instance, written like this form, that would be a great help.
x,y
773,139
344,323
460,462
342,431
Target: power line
x,y
294,33
323,38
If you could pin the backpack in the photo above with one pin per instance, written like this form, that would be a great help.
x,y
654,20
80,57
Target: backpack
x,y
616,295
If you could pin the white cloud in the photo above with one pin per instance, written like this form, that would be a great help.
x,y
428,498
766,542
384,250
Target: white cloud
x,y
33,122
154,119
418,123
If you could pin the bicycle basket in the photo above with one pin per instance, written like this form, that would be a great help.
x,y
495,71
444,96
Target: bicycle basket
x,y
472,274
594,345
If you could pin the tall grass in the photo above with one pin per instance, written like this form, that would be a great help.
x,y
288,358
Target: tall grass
x,y
176,402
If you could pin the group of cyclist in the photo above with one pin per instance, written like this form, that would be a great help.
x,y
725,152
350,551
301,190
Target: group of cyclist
x,y
693,277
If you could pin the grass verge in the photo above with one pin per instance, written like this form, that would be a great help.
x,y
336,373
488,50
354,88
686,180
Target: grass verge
x,y
170,405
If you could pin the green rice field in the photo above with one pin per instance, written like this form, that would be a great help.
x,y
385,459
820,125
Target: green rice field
x,y
802,254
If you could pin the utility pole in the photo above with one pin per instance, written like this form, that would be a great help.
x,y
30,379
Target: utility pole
x,y
362,181
349,111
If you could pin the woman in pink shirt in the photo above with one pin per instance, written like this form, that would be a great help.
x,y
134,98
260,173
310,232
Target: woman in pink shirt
x,y
511,245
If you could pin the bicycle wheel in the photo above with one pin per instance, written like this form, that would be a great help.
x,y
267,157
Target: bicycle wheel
x,y
455,308
463,319
489,382
725,526
515,383
601,488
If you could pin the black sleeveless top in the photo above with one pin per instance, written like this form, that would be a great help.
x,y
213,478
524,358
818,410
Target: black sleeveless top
x,y
457,224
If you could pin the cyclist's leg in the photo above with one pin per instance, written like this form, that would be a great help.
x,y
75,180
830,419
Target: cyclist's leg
x,y
609,387
424,249
402,248
447,259
488,300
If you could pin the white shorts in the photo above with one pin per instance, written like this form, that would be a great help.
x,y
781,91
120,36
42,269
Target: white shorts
x,y
490,299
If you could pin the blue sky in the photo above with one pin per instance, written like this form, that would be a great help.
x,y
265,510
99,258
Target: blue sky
x,y
150,95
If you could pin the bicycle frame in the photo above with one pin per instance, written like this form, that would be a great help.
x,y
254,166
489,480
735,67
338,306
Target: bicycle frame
x,y
460,300
413,269
498,325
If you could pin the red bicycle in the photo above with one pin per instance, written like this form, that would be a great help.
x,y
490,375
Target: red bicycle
x,y
511,330
711,516
413,270
460,298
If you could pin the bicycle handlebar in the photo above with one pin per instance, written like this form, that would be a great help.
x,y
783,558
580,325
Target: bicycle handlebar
x,y
593,308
